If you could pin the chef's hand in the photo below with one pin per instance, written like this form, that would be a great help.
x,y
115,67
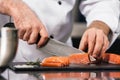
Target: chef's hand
x,y
95,39
27,23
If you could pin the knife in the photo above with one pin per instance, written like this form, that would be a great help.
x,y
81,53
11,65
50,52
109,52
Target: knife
x,y
58,48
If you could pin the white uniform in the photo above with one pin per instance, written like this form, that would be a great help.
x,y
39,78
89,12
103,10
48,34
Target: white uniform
x,y
56,15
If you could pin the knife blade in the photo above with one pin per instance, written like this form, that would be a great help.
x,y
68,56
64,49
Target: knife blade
x,y
58,48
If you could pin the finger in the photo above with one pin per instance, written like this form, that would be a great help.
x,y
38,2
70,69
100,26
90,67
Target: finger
x,y
98,44
21,33
91,42
33,37
106,44
44,37
27,35
83,42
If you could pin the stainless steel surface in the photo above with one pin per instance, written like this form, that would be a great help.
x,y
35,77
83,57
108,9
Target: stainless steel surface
x,y
9,43
58,48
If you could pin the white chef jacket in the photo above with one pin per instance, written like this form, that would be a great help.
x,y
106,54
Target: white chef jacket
x,y
56,15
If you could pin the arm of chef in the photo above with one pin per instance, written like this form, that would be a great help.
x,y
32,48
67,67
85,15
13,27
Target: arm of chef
x,y
107,11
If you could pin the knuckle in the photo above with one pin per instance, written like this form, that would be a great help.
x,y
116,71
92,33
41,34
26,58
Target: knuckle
x,y
92,29
30,42
25,38
20,36
97,50
29,28
46,36
90,51
85,42
106,38
100,38
100,31
100,41
22,29
91,40
104,49
36,26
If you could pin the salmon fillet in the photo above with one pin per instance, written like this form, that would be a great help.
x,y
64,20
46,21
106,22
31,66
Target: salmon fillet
x,y
60,61
78,58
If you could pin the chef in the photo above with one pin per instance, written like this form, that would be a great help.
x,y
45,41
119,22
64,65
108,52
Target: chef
x,y
54,18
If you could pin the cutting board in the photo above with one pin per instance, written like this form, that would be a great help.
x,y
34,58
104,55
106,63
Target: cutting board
x,y
71,67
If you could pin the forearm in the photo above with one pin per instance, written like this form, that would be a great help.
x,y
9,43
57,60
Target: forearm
x,y
10,7
6,6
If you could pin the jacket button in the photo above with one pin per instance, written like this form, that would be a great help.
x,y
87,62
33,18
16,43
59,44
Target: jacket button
x,y
59,2
52,36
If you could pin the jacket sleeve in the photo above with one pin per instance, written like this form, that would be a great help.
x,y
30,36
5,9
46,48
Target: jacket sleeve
x,y
107,11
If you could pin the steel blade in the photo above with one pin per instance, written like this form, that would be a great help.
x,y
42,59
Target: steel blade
x,y
58,48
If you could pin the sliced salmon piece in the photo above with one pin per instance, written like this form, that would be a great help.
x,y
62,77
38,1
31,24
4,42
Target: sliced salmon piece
x,y
55,61
111,58
79,58
60,61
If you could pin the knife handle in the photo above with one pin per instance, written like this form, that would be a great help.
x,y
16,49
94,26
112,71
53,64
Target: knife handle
x,y
40,37
51,37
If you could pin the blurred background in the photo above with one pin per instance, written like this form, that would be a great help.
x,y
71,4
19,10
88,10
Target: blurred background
x,y
79,27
